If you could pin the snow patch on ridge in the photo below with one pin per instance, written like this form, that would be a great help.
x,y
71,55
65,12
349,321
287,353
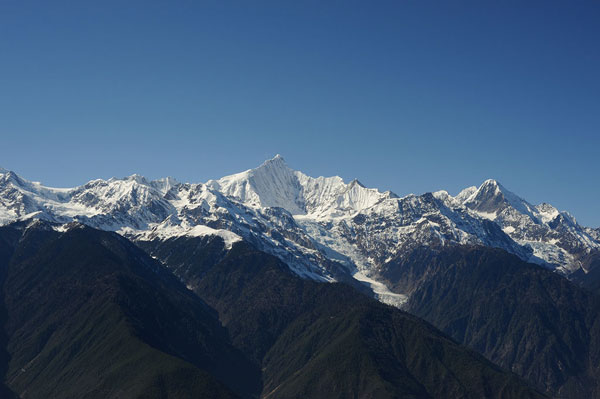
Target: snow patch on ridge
x,y
166,232
382,292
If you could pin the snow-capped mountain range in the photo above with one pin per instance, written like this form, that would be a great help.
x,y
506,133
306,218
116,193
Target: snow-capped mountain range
x,y
323,228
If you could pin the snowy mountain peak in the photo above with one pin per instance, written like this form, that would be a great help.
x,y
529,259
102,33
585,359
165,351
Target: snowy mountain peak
x,y
9,175
490,188
357,183
275,184
547,212
442,195
276,162
274,165
491,183
491,198
272,184
487,199
465,194
554,236
136,178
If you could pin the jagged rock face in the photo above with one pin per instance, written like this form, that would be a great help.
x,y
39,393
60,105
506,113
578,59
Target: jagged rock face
x,y
323,228
555,237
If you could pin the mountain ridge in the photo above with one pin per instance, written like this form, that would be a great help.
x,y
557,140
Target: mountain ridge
x,y
323,228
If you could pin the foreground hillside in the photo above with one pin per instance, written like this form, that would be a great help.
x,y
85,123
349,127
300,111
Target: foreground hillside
x,y
87,314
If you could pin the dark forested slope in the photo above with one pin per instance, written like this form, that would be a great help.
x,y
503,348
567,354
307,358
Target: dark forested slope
x,y
521,316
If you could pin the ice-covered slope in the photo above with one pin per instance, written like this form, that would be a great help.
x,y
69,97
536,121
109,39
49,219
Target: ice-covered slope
x,y
110,205
324,228
274,184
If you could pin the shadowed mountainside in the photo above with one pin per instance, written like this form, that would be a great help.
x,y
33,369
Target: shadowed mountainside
x,y
90,315
328,341
521,316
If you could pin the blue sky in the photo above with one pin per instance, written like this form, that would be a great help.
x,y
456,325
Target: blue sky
x,y
411,96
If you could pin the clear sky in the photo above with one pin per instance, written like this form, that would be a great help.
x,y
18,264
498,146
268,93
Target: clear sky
x,y
410,96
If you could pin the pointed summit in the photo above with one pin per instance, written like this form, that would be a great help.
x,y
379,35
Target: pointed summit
x,y
10,176
275,184
491,183
489,190
356,182
492,187
277,162
272,184
488,198
491,198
